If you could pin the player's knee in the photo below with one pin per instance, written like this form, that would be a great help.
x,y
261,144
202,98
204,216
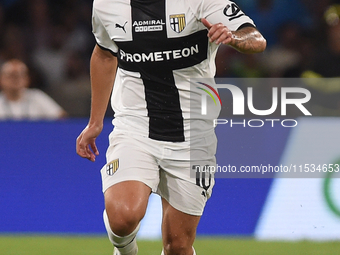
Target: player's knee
x,y
178,247
124,220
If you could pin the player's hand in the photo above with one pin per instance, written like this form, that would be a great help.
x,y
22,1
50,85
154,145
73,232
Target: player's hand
x,y
218,33
86,145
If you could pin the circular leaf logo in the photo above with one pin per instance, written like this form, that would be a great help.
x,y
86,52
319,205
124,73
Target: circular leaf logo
x,y
335,208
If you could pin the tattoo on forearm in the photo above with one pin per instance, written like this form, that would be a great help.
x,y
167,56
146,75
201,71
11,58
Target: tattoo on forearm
x,y
248,40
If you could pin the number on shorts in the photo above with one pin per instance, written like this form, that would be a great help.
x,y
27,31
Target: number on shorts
x,y
203,177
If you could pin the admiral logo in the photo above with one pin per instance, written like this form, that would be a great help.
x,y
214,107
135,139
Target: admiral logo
x,y
177,22
148,25
232,11
112,167
159,55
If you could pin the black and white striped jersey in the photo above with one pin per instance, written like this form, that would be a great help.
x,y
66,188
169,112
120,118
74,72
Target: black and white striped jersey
x,y
160,45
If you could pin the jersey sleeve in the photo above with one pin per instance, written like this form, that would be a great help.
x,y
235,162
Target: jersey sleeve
x,y
100,33
225,12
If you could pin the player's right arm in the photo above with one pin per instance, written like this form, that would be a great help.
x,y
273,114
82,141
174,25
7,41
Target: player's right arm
x,y
103,66
228,24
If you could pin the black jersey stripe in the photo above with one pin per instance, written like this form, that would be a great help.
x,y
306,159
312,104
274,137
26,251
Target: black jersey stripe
x,y
161,93
164,111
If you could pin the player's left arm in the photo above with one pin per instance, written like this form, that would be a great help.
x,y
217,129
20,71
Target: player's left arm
x,y
246,39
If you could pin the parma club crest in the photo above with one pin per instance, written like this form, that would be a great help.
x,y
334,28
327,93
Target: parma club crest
x,y
112,167
177,22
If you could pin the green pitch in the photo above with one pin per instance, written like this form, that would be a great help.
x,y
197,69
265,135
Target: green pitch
x,y
80,245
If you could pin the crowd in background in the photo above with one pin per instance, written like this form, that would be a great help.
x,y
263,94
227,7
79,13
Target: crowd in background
x,y
54,39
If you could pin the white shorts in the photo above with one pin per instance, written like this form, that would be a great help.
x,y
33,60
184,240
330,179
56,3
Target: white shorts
x,y
166,167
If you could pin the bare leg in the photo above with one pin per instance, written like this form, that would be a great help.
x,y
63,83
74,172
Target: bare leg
x,y
125,206
178,231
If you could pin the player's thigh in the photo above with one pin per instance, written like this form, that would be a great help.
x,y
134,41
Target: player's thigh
x,y
178,229
127,197
128,179
126,203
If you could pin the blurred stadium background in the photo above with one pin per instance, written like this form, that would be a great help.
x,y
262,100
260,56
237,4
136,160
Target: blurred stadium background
x,y
51,200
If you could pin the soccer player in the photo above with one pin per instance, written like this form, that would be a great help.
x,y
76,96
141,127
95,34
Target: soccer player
x,y
150,50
